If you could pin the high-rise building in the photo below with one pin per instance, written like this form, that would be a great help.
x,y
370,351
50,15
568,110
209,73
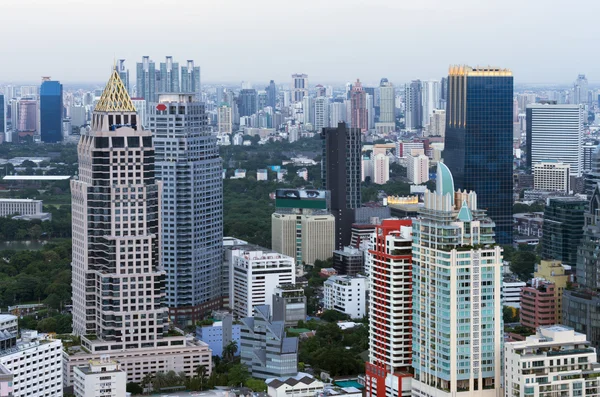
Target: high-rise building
x,y
413,110
146,79
431,99
387,107
580,91
337,113
189,166
390,310
27,115
116,247
346,294
555,358
265,348
247,102
555,132
479,140
308,110
592,178
417,168
51,111
321,113
563,228
224,121
437,124
190,79
124,74
141,109
271,90
551,175
299,87
349,261
457,275
381,169
341,174
358,98
3,115
169,76
443,93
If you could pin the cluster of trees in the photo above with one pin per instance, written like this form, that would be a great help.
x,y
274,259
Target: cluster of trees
x,y
520,208
510,314
36,276
334,350
522,260
58,227
48,320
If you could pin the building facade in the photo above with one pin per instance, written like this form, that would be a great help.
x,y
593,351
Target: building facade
x,y
341,175
346,294
479,140
220,334
457,274
552,176
289,304
349,261
387,107
20,206
299,87
51,111
358,98
381,169
538,304
417,168
189,167
102,377
563,228
146,79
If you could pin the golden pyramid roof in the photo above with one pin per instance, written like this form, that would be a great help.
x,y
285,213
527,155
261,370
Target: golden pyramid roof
x,y
115,97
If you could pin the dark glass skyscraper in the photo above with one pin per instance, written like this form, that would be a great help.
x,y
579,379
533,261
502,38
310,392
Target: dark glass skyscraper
x,y
51,111
2,114
340,170
247,102
563,228
479,136
271,94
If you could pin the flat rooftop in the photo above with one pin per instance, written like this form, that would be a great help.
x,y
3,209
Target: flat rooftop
x,y
36,177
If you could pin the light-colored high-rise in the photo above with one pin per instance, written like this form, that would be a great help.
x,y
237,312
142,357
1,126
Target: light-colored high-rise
x,y
555,132
189,166
437,123
118,283
381,169
169,76
417,168
337,113
321,113
430,98
190,79
551,175
146,79
457,277
580,91
224,120
299,87
387,107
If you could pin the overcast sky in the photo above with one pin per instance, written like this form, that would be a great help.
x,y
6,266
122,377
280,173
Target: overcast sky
x,y
542,41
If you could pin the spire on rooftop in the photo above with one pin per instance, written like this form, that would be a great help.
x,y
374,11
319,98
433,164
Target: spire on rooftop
x,y
115,97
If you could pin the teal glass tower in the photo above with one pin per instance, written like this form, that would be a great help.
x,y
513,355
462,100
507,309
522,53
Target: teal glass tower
x,y
51,111
479,140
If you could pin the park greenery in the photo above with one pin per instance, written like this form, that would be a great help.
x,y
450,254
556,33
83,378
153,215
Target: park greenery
x,y
522,260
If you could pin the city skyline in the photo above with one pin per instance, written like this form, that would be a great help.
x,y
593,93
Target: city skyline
x,y
490,40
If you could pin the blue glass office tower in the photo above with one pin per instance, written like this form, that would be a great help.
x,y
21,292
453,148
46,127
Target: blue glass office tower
x,y
51,111
479,136
2,114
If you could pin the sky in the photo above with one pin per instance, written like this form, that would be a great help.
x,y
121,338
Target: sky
x,y
333,41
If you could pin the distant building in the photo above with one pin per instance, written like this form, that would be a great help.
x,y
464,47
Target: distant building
x,y
289,304
262,175
299,87
555,358
538,304
224,119
20,207
413,110
347,295
551,175
381,169
51,111
358,98
387,107
102,377
437,123
265,348
417,168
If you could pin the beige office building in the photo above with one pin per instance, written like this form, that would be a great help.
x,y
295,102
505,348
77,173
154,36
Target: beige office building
x,y
551,175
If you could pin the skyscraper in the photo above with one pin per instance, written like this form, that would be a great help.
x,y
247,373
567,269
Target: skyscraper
x,y
479,138
358,96
51,111
189,166
3,115
340,171
555,132
562,228
247,102
321,113
169,75
390,305
413,111
457,306
271,90
387,107
118,283
124,74
299,87
146,79
580,91
190,79
431,99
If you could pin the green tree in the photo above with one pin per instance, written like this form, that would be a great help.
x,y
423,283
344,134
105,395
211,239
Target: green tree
x,y
134,388
257,385
334,316
523,264
238,374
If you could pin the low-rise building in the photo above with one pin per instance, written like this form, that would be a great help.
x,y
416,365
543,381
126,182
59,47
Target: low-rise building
x,y
349,261
529,224
289,304
9,323
265,348
538,304
304,386
26,208
219,334
262,174
511,292
346,295
6,382
555,361
35,362
551,175
102,377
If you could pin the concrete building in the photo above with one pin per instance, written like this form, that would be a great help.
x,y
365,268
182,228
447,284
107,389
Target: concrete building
x,y
538,304
437,123
390,311
511,292
413,109
555,132
254,274
117,249
101,377
358,98
189,167
321,113
346,294
224,119
349,261
453,242
9,323
265,349
35,362
563,228
218,335
6,382
141,107
387,107
381,169
289,304
554,360
551,175
20,207
299,87
417,168
262,175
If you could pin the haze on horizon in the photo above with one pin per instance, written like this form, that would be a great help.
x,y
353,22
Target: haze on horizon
x,y
330,40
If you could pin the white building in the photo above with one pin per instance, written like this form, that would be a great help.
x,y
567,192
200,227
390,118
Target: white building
x,y
551,175
35,363
417,168
321,113
9,323
254,274
101,377
346,295
381,169
555,132
20,206
141,109
262,175
224,119
337,113
302,385
555,361
387,108
511,293
431,97
437,123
